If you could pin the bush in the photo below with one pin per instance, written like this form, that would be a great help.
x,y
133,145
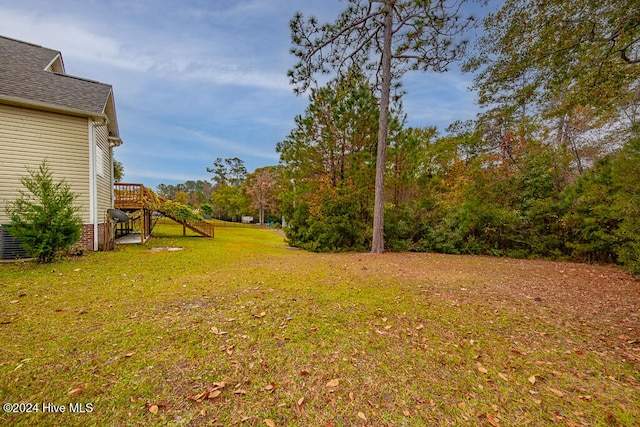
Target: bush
x,y
627,203
338,221
178,211
44,217
206,210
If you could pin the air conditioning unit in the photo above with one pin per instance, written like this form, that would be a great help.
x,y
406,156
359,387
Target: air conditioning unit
x,y
10,248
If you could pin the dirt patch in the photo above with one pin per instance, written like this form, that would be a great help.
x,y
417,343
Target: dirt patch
x,y
601,303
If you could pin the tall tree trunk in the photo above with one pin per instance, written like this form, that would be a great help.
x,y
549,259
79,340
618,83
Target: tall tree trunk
x,y
377,244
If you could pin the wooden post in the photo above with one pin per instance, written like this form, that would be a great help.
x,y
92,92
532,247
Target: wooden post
x,y
143,228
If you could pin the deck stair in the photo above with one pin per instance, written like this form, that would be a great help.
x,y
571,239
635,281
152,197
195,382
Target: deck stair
x,y
201,227
136,197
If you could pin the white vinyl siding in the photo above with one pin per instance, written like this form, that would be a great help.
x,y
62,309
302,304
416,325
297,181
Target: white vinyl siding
x,y
28,136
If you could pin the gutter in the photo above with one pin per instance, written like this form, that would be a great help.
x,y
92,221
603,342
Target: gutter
x,y
21,102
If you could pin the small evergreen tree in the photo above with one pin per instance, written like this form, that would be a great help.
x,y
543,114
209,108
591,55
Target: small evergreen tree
x,y
44,217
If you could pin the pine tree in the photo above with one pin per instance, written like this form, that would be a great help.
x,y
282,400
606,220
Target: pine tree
x,y
44,217
388,37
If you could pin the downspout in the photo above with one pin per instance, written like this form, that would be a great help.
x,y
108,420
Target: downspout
x,y
93,184
112,176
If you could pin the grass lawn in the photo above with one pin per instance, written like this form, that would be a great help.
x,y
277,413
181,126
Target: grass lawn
x,y
242,330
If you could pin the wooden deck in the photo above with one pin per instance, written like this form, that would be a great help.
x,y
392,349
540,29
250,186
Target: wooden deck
x,y
129,196
141,202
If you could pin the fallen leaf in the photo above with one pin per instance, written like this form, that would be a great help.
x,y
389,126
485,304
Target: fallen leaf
x,y
270,387
362,416
333,383
351,396
492,420
503,376
406,413
532,379
133,399
482,369
221,384
300,401
240,392
556,392
585,398
200,396
215,330
131,353
304,373
75,391
420,326
213,394
270,422
153,409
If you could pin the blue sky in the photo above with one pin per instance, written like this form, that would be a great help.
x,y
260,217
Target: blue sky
x,y
199,79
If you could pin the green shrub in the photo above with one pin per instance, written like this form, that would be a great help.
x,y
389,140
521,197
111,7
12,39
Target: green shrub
x,y
338,222
178,211
44,217
206,210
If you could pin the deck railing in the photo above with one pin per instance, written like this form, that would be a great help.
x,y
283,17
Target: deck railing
x,y
128,195
137,196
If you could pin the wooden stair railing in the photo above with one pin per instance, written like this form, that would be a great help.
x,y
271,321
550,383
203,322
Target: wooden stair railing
x,y
128,196
201,227
198,226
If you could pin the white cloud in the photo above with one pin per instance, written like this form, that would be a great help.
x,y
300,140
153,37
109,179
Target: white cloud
x,y
73,42
234,75
213,142
167,58
164,176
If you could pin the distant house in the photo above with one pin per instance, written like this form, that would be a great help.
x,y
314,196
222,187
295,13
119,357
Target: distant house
x,y
70,121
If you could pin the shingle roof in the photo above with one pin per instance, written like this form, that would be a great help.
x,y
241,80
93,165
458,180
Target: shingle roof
x,y
23,78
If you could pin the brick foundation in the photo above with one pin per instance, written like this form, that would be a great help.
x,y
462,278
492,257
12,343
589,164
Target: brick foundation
x,y
86,237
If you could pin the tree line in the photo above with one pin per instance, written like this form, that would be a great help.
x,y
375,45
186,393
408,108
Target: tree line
x,y
232,192
549,168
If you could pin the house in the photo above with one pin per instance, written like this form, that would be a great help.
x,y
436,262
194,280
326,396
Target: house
x,y
69,121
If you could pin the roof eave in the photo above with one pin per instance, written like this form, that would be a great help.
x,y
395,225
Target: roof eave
x,y
45,106
109,111
114,141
